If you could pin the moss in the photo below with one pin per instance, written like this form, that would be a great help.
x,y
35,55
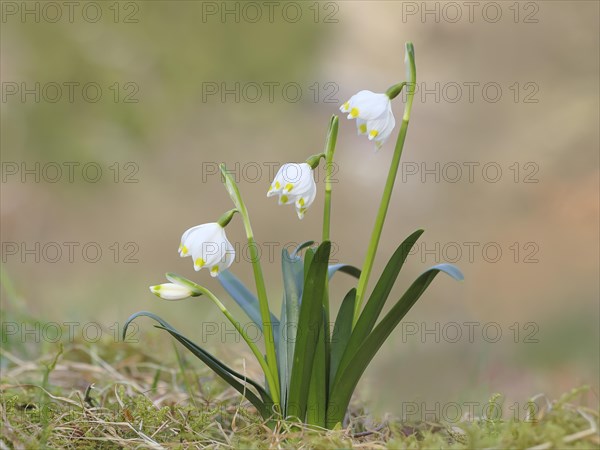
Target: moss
x,y
138,402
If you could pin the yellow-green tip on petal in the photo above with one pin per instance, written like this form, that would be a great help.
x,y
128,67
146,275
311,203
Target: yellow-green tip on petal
x,y
155,290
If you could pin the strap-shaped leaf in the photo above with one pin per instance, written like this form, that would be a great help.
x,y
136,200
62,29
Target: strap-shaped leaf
x,y
349,374
310,323
244,298
283,358
206,357
225,372
374,305
293,278
293,274
341,332
345,268
301,247
317,393
308,257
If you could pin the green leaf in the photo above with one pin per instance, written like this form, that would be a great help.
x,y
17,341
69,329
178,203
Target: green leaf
x,y
345,268
370,313
309,326
293,277
283,358
308,257
349,374
245,299
341,332
225,372
301,247
317,392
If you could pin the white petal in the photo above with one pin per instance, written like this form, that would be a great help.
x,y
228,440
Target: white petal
x,y
194,237
300,179
304,201
367,105
225,262
207,254
171,291
296,186
207,245
361,126
292,174
287,173
381,126
385,134
184,249
208,232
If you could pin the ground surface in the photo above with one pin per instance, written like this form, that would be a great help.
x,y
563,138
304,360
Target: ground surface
x,y
138,401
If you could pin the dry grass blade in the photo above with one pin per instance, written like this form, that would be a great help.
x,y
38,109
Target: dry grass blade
x,y
138,402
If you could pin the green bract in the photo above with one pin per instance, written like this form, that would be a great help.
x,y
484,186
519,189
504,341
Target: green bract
x,y
311,371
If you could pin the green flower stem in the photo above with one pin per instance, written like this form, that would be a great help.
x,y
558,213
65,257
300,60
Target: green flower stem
x,y
389,185
329,151
259,356
271,371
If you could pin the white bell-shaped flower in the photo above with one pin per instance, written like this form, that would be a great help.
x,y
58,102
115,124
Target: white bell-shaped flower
x,y
172,291
373,114
294,183
208,246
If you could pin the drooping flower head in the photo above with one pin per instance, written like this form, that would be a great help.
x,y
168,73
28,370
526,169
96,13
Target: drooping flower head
x,y
295,184
208,246
373,114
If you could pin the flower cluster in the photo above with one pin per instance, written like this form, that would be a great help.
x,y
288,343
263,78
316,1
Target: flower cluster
x,y
295,356
294,184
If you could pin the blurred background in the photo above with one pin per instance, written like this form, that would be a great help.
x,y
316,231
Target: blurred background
x,y
115,116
